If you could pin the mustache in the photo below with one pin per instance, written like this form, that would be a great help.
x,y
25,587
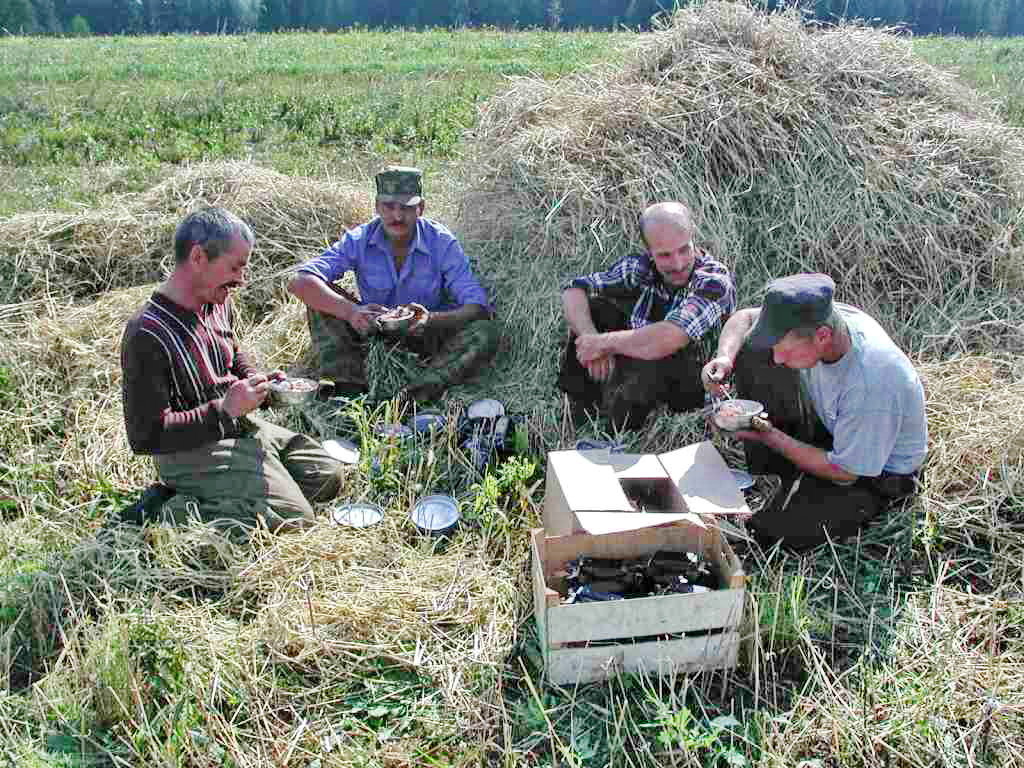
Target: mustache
x,y
232,284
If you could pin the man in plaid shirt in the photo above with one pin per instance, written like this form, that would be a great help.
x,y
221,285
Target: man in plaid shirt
x,y
637,330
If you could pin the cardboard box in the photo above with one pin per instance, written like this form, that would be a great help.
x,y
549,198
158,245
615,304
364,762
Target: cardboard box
x,y
710,620
599,492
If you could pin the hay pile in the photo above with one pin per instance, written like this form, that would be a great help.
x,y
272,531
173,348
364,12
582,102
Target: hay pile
x,y
800,149
130,243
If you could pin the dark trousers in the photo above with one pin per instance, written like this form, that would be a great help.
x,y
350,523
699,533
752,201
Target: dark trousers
x,y
635,386
807,507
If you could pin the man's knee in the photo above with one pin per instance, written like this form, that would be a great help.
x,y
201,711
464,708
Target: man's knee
x,y
816,512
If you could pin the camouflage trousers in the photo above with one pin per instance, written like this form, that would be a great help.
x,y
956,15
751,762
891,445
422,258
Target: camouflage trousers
x,y
446,358
271,475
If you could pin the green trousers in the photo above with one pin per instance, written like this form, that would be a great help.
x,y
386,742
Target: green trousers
x,y
446,360
271,475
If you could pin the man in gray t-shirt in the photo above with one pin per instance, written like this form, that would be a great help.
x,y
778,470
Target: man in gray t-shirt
x,y
848,430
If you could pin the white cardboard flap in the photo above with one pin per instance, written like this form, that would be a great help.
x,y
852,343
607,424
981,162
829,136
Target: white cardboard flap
x,y
588,485
704,480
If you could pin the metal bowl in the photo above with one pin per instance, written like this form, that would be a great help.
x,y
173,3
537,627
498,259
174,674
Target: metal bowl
x,y
396,431
733,415
395,324
591,444
488,408
435,515
294,391
360,514
743,479
342,450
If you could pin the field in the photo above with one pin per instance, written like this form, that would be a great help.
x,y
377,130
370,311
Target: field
x,y
183,647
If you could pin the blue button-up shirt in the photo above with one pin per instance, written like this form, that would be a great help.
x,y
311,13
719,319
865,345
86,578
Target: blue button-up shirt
x,y
435,274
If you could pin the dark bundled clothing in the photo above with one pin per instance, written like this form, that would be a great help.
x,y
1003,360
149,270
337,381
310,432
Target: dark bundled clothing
x,y
176,366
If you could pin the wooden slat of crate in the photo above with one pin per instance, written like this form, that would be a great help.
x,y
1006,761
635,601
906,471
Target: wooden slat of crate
x,y
543,596
567,666
643,616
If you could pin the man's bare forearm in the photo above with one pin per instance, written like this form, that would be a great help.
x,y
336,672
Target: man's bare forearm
x,y
576,306
808,458
735,331
318,296
652,342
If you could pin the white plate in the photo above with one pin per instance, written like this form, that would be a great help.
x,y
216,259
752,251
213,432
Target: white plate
x,y
361,514
342,450
488,408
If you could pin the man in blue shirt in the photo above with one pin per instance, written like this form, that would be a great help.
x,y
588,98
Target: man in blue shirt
x,y
399,259
848,431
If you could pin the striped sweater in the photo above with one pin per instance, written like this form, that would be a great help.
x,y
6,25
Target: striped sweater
x,y
176,367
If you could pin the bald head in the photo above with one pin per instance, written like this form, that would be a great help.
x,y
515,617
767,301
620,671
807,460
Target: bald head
x,y
667,229
670,214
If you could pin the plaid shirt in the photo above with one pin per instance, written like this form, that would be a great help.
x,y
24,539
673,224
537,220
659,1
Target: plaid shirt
x,y
701,305
435,274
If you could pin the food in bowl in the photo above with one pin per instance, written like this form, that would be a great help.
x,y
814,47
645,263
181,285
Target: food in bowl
x,y
733,415
401,318
294,391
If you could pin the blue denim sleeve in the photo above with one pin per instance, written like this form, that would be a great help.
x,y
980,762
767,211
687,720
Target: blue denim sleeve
x,y
458,280
336,260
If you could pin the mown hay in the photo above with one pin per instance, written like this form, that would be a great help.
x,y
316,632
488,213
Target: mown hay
x,y
800,148
947,692
131,243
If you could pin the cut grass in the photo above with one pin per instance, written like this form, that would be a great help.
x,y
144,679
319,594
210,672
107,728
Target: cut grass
x,y
178,647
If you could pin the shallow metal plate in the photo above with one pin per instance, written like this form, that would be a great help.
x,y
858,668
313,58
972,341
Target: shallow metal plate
x,y
437,513
743,479
399,431
488,408
342,450
360,514
424,421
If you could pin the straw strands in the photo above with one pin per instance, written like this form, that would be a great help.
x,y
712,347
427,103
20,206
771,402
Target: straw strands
x,y
949,693
799,148
131,243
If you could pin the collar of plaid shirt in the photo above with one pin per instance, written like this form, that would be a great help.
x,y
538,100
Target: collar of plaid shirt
x,y
656,289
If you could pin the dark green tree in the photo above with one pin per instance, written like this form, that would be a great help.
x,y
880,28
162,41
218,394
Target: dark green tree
x,y
17,16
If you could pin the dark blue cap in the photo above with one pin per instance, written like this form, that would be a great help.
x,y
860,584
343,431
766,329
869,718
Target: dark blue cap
x,y
797,301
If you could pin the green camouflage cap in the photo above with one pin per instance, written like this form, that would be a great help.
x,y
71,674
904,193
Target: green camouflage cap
x,y
400,184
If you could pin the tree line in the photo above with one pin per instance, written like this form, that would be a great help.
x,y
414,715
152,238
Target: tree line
x,y
110,17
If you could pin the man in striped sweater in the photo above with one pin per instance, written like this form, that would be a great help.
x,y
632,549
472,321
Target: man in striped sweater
x,y
189,391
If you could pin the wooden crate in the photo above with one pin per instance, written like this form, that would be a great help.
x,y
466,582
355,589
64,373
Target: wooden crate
x,y
711,620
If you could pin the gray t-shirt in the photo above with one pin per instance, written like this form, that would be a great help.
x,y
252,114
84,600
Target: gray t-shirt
x,y
872,402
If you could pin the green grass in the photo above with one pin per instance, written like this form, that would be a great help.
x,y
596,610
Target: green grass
x,y
297,102
120,675
995,66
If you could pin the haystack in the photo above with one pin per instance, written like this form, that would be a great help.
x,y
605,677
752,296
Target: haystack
x,y
130,243
800,148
